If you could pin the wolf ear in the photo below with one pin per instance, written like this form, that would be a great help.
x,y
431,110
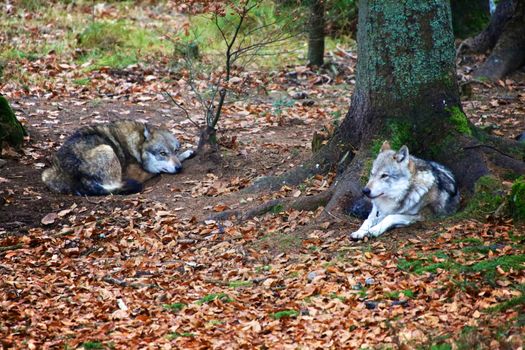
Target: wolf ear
x,y
402,154
385,146
147,133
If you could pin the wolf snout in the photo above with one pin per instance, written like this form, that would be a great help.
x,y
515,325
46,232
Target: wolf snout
x,y
367,192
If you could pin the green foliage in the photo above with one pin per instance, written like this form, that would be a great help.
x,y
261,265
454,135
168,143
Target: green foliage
x,y
506,262
285,314
215,296
104,35
459,120
81,81
117,44
264,22
488,196
516,302
396,294
517,199
175,307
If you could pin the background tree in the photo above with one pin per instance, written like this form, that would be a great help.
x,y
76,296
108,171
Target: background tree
x,y
244,35
469,17
504,37
316,33
406,92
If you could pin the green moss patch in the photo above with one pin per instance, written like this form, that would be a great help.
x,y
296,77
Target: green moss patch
x,y
517,199
488,196
459,120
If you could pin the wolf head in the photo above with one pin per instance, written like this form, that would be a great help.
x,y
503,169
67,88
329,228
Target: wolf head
x,y
390,175
159,152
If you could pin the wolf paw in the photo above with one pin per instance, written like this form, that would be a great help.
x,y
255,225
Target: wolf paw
x,y
187,154
359,234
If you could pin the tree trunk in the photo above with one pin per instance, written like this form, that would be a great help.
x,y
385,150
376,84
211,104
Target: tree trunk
x,y
316,33
509,52
469,17
11,131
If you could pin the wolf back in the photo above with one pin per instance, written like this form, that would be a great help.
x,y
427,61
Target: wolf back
x,y
113,158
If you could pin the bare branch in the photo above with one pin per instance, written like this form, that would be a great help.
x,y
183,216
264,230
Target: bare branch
x,y
183,109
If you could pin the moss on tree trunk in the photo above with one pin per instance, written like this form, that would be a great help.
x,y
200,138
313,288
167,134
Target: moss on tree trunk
x,y
11,131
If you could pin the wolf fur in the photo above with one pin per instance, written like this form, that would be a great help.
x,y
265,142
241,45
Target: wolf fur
x,y
113,158
403,189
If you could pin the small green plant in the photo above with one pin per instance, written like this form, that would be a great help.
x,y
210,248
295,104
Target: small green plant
x,y
215,296
276,209
427,264
517,199
175,335
285,314
238,284
175,307
92,345
81,81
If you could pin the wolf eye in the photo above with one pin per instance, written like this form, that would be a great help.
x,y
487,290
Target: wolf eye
x,y
384,176
164,154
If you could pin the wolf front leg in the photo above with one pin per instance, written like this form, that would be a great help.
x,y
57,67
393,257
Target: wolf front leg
x,y
186,155
371,221
391,221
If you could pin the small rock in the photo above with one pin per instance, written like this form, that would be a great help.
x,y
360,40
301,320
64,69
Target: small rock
x,y
311,275
521,137
305,312
291,75
308,103
369,281
370,305
403,303
298,95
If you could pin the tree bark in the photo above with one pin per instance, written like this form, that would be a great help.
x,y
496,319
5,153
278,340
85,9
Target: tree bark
x,y
316,33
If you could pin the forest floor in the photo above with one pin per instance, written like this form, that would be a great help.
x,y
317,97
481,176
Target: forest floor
x,y
152,270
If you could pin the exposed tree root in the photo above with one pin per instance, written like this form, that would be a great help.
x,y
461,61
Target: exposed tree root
x,y
302,203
